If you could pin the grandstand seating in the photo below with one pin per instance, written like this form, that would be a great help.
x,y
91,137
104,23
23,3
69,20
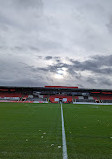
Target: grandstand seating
x,y
10,96
95,98
57,98
35,99
81,97
90,97
76,97
65,97
86,100
98,98
4,94
103,97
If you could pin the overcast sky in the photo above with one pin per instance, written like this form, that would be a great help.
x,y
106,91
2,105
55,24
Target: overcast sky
x,y
56,42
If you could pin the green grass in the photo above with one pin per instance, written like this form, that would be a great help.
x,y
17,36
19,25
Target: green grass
x,y
88,131
22,127
27,131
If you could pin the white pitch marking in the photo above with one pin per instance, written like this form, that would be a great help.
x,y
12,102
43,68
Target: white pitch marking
x,y
65,156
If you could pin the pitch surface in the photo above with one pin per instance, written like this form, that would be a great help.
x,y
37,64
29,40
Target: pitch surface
x,y
30,131
34,131
88,131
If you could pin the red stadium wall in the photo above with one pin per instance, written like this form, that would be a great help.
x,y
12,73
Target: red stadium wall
x,y
59,87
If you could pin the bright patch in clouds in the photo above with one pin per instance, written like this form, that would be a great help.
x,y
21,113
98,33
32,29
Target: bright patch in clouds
x,y
60,73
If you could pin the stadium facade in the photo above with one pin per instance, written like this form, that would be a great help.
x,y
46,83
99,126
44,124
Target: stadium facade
x,y
54,94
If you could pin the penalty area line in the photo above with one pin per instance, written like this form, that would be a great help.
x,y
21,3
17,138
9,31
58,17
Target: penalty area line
x,y
65,156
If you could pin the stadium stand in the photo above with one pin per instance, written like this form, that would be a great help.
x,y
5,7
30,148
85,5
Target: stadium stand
x,y
62,98
86,100
54,94
81,97
35,99
10,96
105,97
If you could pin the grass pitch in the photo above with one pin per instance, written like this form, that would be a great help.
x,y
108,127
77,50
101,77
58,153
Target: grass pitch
x,y
30,131
88,131
33,131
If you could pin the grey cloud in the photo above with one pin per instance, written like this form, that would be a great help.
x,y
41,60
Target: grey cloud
x,y
34,48
91,80
43,69
39,57
19,48
4,20
52,33
95,64
48,57
35,31
55,58
86,65
21,74
109,24
27,3
40,76
103,60
58,59
23,82
105,82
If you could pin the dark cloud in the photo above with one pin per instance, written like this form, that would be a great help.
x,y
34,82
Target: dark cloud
x,y
96,64
48,57
77,72
55,58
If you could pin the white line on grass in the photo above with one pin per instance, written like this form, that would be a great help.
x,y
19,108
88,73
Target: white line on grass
x,y
65,156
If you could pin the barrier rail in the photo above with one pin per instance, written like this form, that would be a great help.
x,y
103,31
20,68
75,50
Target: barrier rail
x,y
92,103
1,101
